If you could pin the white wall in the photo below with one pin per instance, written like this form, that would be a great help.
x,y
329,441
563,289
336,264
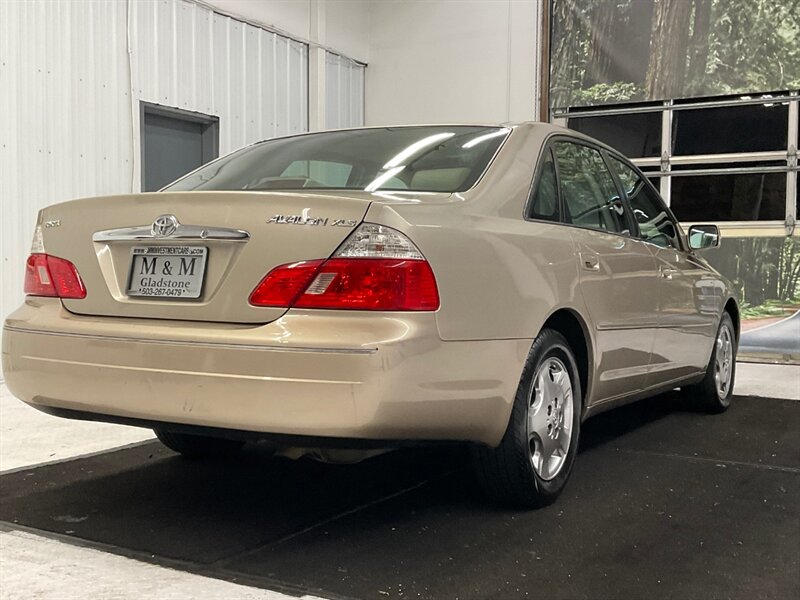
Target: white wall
x,y
65,117
428,60
344,92
453,61
72,72
186,56
344,26
338,27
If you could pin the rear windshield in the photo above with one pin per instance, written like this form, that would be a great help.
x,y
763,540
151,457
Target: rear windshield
x,y
419,159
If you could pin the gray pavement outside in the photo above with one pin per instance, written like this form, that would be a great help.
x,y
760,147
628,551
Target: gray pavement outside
x,y
778,341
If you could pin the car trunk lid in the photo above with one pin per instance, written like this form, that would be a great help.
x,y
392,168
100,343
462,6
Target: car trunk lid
x,y
216,246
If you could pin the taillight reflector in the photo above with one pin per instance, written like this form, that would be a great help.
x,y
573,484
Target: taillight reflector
x,y
47,275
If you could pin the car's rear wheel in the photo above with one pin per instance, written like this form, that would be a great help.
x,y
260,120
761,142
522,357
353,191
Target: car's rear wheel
x,y
533,462
197,446
714,392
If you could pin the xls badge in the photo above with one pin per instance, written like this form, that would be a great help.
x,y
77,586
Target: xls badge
x,y
313,221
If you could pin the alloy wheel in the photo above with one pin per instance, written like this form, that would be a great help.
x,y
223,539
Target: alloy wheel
x,y
550,415
723,363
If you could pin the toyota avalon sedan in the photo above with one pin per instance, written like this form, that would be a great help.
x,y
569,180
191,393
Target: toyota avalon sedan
x,y
347,292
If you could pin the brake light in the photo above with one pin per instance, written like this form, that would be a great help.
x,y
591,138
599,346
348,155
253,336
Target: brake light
x,y
372,284
282,285
376,268
47,275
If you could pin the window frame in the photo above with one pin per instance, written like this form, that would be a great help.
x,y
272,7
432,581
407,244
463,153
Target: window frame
x,y
547,146
209,134
537,177
670,107
612,154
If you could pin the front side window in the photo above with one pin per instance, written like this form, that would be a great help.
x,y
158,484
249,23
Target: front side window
x,y
425,159
587,188
655,224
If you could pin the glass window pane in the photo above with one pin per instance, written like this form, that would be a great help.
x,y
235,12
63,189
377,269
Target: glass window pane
x,y
730,129
320,173
749,197
544,203
637,135
590,196
418,158
655,224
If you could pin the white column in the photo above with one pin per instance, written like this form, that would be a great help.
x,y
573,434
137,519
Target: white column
x,y
791,176
316,66
666,152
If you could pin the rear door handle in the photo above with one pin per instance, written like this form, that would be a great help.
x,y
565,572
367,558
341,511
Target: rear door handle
x,y
590,262
668,272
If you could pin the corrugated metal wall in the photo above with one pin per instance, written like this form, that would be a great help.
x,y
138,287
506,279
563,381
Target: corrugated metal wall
x,y
68,74
65,116
344,92
189,57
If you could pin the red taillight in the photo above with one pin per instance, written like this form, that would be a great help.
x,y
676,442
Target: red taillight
x,y
389,284
47,275
282,285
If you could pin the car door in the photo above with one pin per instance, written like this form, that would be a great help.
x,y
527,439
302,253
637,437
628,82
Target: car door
x,y
617,272
688,290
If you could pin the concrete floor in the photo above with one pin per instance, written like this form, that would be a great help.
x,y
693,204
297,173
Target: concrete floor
x,y
768,381
34,566
29,437
65,530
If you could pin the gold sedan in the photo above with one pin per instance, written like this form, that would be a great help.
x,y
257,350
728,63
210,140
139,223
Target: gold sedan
x,y
350,291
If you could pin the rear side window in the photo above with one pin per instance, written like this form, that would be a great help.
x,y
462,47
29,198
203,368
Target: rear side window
x,y
587,188
543,204
655,224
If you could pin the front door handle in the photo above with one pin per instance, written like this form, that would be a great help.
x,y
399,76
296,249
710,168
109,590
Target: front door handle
x,y
668,272
590,262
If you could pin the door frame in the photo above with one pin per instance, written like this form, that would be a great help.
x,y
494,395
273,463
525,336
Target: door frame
x,y
209,134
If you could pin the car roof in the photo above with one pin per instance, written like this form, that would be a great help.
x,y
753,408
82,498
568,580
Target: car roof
x,y
547,128
550,127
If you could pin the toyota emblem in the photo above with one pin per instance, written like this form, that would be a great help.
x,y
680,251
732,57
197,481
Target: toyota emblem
x,y
164,226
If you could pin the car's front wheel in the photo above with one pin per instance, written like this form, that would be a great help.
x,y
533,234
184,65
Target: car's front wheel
x,y
197,446
531,465
713,394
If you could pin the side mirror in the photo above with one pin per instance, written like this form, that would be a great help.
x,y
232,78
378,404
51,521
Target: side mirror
x,y
703,236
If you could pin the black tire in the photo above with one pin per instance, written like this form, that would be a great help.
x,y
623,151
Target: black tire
x,y
506,473
707,395
197,446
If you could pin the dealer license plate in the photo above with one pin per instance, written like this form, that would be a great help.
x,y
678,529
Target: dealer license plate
x,y
167,271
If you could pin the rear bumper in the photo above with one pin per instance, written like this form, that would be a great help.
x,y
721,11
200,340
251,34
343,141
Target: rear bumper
x,y
313,373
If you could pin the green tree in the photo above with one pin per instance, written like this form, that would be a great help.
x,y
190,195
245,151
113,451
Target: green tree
x,y
623,50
